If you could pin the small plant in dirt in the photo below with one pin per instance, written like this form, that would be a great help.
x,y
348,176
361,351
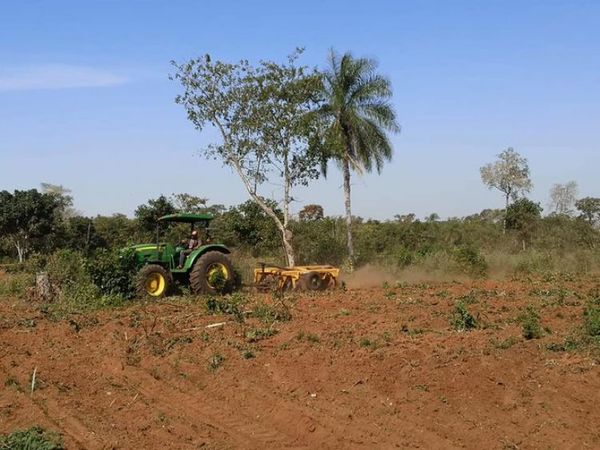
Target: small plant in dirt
x,y
34,438
12,382
530,323
258,334
469,298
344,312
304,336
248,354
505,344
215,361
230,304
462,319
270,314
365,342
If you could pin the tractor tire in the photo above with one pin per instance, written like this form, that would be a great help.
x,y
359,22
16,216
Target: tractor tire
x,y
213,274
310,281
153,281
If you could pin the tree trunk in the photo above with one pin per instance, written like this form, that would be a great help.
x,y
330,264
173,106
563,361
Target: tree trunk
x,y
286,235
20,252
505,212
346,171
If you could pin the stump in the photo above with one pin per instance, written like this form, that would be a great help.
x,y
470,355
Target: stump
x,y
43,287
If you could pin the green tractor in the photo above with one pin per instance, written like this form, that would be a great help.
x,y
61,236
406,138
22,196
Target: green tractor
x,y
207,269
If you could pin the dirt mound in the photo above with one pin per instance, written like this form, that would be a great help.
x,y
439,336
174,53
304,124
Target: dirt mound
x,y
366,368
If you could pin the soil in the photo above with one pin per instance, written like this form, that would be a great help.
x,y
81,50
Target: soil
x,y
363,368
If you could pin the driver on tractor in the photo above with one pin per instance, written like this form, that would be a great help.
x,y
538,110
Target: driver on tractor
x,y
191,245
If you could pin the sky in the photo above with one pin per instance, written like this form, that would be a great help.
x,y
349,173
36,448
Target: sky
x,y
86,100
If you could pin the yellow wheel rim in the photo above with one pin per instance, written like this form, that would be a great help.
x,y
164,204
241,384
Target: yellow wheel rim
x,y
155,284
216,275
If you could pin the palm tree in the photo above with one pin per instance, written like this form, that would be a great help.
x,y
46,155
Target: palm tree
x,y
358,115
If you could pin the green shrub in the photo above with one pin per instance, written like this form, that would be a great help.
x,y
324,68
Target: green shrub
x,y
112,272
15,284
591,318
530,322
462,319
34,438
230,304
272,313
470,261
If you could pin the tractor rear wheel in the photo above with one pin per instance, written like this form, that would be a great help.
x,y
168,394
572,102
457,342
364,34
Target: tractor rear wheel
x,y
153,281
310,281
213,274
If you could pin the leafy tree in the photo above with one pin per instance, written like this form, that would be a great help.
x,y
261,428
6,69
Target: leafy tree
x,y
405,218
563,197
248,226
358,115
188,203
63,196
589,207
509,174
433,217
81,234
148,214
117,230
28,219
310,213
523,216
261,115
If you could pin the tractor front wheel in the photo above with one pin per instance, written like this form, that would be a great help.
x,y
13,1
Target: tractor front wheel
x,y
153,281
213,274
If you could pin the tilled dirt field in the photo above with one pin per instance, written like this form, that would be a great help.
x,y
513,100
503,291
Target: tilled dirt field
x,y
370,368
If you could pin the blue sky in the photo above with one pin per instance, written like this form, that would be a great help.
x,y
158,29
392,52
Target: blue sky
x,y
85,99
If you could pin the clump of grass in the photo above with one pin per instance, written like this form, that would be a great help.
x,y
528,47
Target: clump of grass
x,y
15,285
34,438
258,334
365,342
505,344
308,337
248,354
215,361
462,319
530,323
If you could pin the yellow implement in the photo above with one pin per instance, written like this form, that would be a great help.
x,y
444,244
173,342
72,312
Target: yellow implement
x,y
306,278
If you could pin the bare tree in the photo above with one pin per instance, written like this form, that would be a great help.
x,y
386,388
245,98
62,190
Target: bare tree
x,y
563,197
509,174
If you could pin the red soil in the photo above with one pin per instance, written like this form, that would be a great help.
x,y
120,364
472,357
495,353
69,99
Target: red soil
x,y
372,368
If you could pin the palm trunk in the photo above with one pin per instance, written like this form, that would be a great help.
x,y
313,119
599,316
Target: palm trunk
x,y
346,170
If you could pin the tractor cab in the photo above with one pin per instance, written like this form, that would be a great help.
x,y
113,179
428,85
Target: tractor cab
x,y
197,222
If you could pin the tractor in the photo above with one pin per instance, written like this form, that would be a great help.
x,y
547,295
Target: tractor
x,y
207,269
